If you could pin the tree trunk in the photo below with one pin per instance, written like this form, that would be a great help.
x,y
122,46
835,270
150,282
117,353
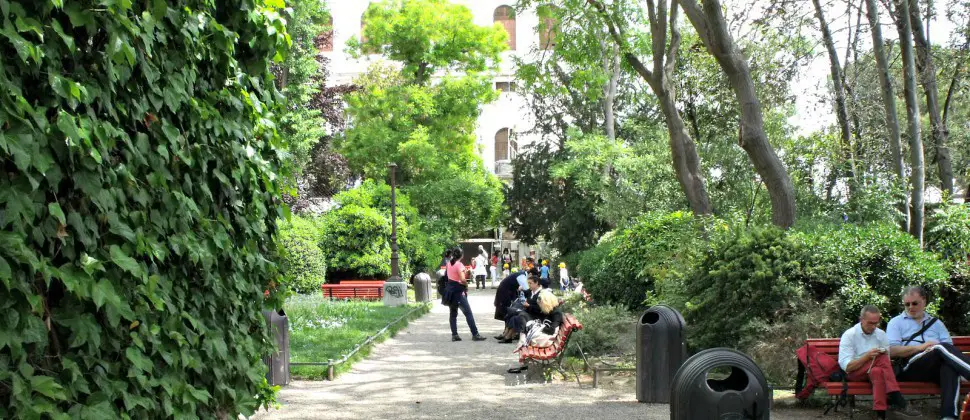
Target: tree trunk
x,y
611,65
918,177
889,104
682,147
841,111
712,28
927,71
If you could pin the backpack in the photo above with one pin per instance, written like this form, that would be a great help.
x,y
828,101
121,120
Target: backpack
x,y
820,368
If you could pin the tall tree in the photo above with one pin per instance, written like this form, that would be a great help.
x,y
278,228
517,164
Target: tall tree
x,y
711,26
918,176
838,86
927,72
889,104
682,147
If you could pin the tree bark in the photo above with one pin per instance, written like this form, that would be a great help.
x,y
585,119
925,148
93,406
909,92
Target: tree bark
x,y
889,104
712,28
682,147
611,65
927,70
918,176
841,110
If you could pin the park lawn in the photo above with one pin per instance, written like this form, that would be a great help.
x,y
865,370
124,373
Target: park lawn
x,y
321,329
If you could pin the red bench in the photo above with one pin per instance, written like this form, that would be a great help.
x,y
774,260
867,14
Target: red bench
x,y
354,289
538,359
830,346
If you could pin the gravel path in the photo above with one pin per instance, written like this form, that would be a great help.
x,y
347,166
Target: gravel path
x,y
421,373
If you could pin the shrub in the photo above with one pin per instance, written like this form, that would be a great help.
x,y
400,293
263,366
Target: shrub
x,y
746,276
865,264
607,330
302,261
358,243
948,234
140,193
658,246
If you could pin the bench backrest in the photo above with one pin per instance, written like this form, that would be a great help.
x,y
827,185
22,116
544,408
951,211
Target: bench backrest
x,y
831,345
569,324
374,283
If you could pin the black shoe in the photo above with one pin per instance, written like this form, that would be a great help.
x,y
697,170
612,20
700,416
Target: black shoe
x,y
905,411
509,340
518,369
478,338
499,337
455,338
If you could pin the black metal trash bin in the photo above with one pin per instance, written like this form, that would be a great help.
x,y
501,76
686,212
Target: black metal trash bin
x,y
660,352
699,393
279,361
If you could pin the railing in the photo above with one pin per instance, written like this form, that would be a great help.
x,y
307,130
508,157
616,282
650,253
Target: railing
x,y
330,364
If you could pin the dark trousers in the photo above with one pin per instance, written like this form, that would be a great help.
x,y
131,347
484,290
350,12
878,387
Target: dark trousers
x,y
480,280
462,303
943,365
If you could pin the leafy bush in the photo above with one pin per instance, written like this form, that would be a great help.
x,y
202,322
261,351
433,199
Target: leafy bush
x,y
303,263
139,199
948,234
865,264
746,276
659,246
607,330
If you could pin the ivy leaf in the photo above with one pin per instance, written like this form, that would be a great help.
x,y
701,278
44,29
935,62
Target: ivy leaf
x,y
55,210
124,261
103,291
138,359
46,386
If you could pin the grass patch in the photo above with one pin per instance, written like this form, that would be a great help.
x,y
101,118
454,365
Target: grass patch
x,y
321,329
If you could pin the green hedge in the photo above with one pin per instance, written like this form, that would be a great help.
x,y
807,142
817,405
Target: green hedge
x,y
302,261
139,199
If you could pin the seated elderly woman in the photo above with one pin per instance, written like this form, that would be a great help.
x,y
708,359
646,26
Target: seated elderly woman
x,y
515,320
542,330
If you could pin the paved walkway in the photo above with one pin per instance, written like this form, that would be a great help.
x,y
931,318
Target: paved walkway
x,y
421,374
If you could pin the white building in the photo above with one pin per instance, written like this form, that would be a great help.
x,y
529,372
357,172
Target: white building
x,y
502,124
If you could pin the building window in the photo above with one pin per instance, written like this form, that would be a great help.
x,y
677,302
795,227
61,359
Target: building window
x,y
502,145
324,41
548,26
506,16
505,86
506,147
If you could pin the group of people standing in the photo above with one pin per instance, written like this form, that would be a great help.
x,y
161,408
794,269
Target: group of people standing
x,y
919,344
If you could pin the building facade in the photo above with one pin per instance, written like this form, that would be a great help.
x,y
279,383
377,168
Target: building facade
x,y
503,125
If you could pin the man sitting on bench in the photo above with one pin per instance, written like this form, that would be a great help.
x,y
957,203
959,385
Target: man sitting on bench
x,y
863,354
924,345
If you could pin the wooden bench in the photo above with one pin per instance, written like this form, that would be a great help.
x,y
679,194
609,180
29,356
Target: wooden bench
x,y
354,289
539,359
830,346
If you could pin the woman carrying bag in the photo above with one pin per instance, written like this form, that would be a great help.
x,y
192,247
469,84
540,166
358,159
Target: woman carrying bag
x,y
456,297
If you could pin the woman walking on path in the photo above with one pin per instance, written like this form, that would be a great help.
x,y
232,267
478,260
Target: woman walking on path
x,y
456,297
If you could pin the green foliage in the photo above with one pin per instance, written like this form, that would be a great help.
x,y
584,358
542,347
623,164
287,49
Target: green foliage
x,y
948,234
865,264
658,247
542,207
302,261
430,35
745,277
140,196
607,330
322,329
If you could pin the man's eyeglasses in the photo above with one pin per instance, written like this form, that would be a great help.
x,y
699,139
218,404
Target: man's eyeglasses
x,y
908,304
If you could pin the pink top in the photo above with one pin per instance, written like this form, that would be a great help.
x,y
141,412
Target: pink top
x,y
456,272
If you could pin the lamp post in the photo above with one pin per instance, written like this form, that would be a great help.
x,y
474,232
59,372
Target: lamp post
x,y
395,290
395,271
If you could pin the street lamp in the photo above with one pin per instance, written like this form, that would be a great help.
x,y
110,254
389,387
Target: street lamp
x,y
395,271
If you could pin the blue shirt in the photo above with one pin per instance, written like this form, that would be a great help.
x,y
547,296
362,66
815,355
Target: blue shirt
x,y
544,272
902,326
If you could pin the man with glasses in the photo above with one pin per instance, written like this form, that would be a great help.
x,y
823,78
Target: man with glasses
x,y
926,351
863,355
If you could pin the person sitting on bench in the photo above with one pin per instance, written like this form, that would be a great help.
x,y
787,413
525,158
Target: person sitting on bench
x,y
863,355
925,350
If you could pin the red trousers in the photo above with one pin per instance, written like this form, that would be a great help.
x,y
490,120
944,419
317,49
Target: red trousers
x,y
882,378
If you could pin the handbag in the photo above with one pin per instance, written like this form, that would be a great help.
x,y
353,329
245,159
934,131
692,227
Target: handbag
x,y
900,364
518,305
